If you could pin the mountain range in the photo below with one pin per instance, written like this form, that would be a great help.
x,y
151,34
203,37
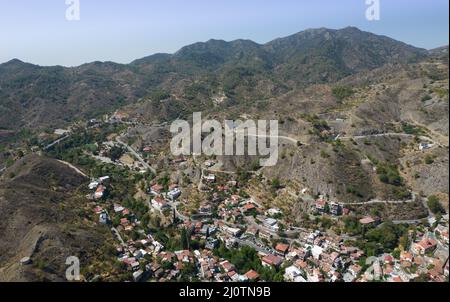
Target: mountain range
x,y
241,70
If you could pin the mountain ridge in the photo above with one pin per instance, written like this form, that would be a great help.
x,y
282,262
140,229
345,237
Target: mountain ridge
x,y
35,96
164,54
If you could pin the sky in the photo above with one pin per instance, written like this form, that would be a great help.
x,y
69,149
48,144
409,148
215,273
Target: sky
x,y
37,31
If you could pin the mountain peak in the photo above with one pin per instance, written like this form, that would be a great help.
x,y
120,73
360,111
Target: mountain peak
x,y
13,62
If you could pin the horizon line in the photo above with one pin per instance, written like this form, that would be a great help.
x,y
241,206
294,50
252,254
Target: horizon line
x,y
213,39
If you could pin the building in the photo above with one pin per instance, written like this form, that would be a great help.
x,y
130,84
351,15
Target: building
x,y
211,244
210,178
271,223
249,207
425,146
273,212
100,192
252,275
321,205
227,266
159,203
232,231
272,261
335,209
174,193
103,219
282,249
156,189
424,246
293,274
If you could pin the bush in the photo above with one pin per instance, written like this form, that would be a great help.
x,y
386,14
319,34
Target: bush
x,y
389,174
435,205
429,159
342,92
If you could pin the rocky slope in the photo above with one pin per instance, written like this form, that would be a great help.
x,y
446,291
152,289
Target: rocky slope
x,y
43,218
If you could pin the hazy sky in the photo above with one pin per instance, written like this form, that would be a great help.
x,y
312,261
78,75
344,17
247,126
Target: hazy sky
x,y
37,31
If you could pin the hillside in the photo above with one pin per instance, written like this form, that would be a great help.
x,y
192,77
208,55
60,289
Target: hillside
x,y
43,219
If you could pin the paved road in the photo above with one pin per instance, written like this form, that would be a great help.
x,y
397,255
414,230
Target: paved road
x,y
379,201
56,142
290,139
424,138
254,246
116,232
137,155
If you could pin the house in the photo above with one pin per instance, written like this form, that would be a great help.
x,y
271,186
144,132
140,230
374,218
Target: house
x,y
292,274
227,266
355,269
406,257
232,231
209,163
159,203
156,189
183,256
174,193
93,185
104,179
301,264
321,205
316,251
210,178
272,260
118,208
271,223
282,248
442,233
273,212
264,235
249,207
252,231
205,209
388,259
425,146
98,210
103,218
147,149
211,243
335,209
100,192
424,246
252,275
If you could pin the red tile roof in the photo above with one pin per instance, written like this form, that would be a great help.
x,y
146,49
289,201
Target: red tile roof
x,y
252,275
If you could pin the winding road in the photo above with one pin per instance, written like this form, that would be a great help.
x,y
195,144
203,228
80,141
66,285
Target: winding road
x,y
136,154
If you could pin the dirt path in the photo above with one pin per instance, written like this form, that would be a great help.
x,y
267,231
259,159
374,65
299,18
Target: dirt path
x,y
74,168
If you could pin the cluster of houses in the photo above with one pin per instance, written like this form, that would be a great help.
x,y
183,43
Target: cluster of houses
x,y
99,188
323,206
237,221
161,199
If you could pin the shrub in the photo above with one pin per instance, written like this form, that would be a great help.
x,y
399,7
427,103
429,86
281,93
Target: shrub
x,y
435,205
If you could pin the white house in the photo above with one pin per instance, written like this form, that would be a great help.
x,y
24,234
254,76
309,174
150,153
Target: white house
x,y
292,273
316,251
271,224
93,185
425,146
174,194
